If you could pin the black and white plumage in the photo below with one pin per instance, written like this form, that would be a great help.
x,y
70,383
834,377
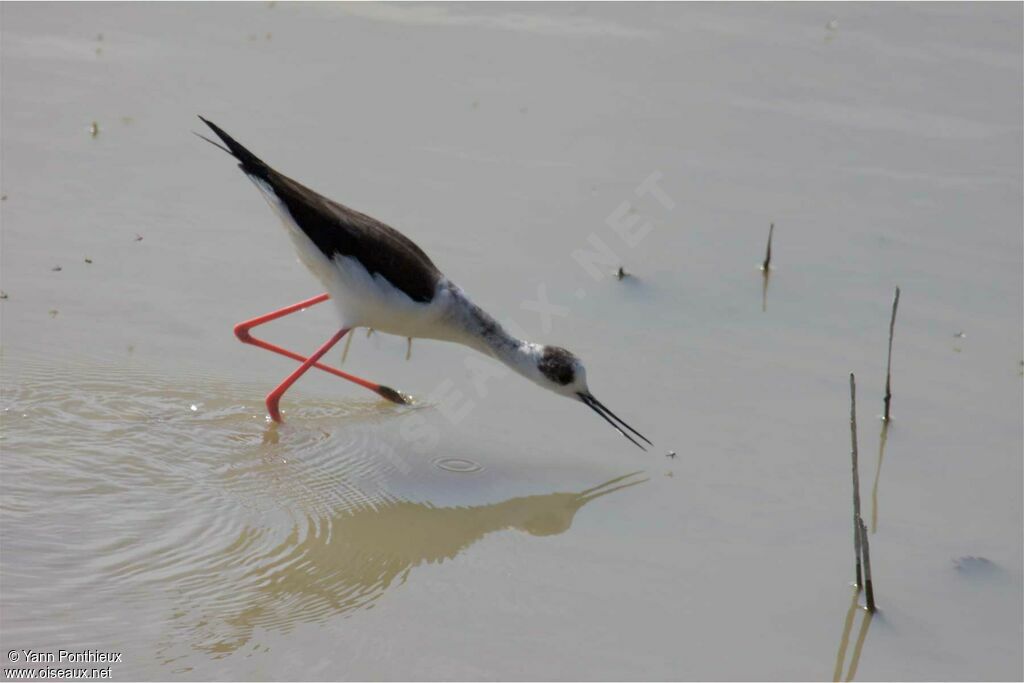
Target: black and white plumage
x,y
379,278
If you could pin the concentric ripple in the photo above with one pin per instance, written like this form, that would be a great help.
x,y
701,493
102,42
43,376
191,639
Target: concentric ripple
x,y
119,484
461,465
175,507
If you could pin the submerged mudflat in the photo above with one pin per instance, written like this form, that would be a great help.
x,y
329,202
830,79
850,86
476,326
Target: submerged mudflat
x,y
491,530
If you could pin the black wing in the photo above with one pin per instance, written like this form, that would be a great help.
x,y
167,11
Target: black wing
x,y
336,229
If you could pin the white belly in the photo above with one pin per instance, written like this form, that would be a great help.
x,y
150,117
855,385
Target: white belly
x,y
368,300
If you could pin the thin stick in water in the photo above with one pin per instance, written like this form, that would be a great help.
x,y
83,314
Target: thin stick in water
x,y
869,589
768,252
856,476
882,438
888,369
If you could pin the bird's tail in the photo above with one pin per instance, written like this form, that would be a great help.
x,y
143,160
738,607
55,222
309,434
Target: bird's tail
x,y
248,162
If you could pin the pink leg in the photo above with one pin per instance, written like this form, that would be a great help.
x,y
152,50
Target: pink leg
x,y
243,334
275,396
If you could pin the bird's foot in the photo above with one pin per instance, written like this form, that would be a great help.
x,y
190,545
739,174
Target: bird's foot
x,y
394,396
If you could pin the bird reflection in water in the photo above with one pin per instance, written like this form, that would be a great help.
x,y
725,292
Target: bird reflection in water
x,y
346,562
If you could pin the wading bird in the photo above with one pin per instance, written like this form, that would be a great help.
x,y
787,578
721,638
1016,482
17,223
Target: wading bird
x,y
378,278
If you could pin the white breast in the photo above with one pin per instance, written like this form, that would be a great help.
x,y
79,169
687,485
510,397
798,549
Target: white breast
x,y
369,300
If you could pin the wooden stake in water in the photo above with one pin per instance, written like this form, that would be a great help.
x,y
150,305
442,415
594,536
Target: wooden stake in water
x,y
768,253
856,477
888,369
869,588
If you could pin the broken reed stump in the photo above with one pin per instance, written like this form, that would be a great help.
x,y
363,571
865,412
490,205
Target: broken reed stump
x,y
856,477
888,368
869,588
768,252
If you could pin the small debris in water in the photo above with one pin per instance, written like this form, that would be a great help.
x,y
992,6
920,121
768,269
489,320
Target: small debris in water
x,y
56,269
99,51
621,273
670,454
53,312
88,260
94,129
408,349
3,198
131,348
669,474
193,407
969,564
138,237
369,331
960,335
832,24
3,294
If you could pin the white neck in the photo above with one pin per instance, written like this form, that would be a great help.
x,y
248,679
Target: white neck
x,y
485,334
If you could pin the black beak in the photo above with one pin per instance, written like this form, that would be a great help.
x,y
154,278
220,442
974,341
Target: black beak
x,y
612,419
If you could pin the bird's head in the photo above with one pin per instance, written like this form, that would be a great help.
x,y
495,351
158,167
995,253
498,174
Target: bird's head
x,y
563,373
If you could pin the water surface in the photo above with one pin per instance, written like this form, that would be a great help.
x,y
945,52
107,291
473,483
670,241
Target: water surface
x,y
490,530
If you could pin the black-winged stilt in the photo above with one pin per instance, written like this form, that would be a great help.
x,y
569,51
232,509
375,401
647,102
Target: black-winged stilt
x,y
378,278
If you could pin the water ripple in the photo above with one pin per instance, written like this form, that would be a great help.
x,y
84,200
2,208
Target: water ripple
x,y
121,486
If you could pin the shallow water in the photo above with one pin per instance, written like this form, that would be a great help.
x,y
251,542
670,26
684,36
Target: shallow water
x,y
236,523
490,530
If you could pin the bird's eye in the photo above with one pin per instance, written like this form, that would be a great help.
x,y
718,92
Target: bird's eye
x,y
558,365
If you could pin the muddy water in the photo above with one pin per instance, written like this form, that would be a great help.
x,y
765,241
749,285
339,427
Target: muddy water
x,y
489,530
232,524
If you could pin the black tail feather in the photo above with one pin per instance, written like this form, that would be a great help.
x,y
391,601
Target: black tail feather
x,y
250,163
212,142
